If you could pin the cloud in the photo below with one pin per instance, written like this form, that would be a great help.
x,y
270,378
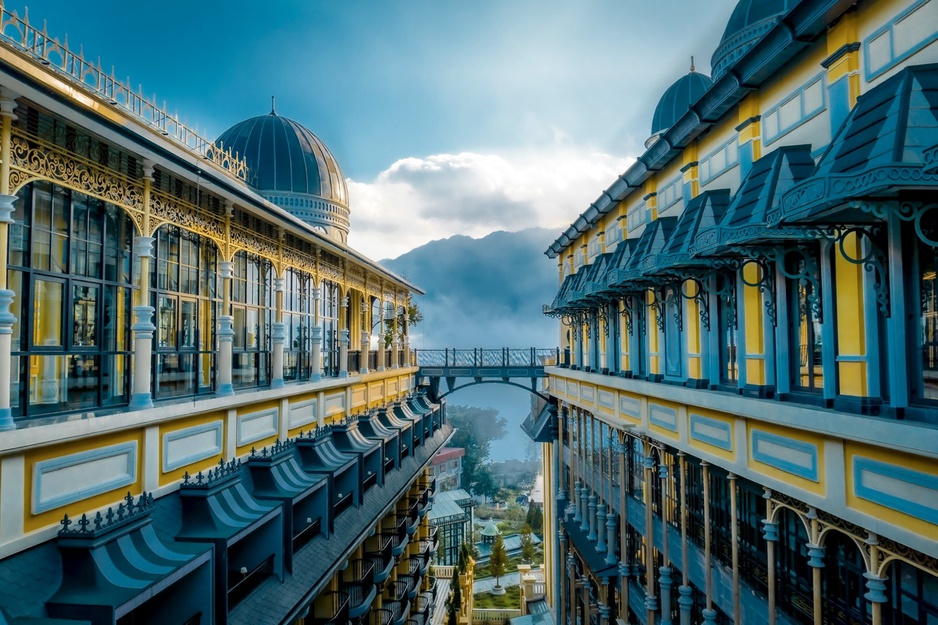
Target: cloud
x,y
417,200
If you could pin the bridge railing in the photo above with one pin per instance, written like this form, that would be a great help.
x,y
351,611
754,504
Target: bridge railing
x,y
478,357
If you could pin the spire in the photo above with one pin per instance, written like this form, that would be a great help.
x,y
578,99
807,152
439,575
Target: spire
x,y
692,70
273,105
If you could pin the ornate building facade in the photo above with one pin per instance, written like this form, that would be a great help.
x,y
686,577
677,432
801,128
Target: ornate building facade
x,y
208,410
746,416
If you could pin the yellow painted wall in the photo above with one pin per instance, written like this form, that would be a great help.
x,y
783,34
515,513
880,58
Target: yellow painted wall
x,y
51,517
819,487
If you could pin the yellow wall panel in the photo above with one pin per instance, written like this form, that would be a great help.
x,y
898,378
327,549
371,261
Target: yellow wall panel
x,y
168,477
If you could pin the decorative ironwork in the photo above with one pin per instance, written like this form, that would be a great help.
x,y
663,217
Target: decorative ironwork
x,y
626,312
909,211
223,471
701,297
32,158
604,319
167,209
101,523
765,284
17,33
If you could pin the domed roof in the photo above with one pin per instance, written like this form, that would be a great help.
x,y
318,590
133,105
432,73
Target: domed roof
x,y
750,20
678,99
293,168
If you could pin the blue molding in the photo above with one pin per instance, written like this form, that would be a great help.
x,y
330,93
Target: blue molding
x,y
721,443
242,419
606,404
663,417
630,406
808,473
314,402
169,437
128,449
917,509
894,60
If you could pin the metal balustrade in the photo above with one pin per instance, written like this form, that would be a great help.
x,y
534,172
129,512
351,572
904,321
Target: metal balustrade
x,y
478,357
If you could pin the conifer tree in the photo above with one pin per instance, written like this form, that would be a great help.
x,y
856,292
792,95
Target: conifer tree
x,y
528,553
498,561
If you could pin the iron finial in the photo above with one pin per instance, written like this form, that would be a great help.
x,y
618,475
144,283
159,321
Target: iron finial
x,y
692,70
273,105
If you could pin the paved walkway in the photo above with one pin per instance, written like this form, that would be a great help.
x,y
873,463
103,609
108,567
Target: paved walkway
x,y
488,583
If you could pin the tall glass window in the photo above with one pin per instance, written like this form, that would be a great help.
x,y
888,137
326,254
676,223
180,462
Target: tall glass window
x,y
329,314
252,307
805,323
926,387
70,260
673,321
729,334
186,299
297,319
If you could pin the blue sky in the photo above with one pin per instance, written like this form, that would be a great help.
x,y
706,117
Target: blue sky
x,y
435,109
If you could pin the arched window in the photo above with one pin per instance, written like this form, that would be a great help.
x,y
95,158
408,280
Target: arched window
x,y
70,260
184,293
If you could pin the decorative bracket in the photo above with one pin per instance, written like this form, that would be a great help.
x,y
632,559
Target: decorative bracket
x,y
700,296
766,282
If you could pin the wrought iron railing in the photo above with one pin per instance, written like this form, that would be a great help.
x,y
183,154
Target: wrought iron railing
x,y
241,584
477,357
17,32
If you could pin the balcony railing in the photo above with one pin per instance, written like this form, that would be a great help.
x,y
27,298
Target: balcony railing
x,y
502,357
381,557
240,585
330,608
358,581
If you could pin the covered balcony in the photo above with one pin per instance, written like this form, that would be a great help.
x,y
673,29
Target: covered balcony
x,y
372,428
329,608
320,456
350,440
358,582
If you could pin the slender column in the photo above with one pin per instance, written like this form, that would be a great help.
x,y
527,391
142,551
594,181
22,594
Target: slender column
x,y
315,359
816,562
770,532
709,614
277,336
664,579
734,536
623,530
686,598
366,347
561,579
396,352
591,460
559,499
651,602
875,584
343,352
7,319
600,506
406,347
381,346
143,326
571,568
225,331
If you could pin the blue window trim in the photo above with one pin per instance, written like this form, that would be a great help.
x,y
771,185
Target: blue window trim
x,y
729,165
895,60
806,116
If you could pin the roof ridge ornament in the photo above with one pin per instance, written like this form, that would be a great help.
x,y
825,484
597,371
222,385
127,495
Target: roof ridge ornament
x,y
692,69
273,105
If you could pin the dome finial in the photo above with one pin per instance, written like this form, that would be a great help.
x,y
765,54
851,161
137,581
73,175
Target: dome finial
x,y
273,105
692,70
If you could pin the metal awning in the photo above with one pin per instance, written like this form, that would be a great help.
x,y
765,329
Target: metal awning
x,y
704,211
885,147
652,242
747,218
543,428
115,563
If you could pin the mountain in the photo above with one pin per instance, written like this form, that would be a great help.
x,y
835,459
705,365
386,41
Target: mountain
x,y
485,292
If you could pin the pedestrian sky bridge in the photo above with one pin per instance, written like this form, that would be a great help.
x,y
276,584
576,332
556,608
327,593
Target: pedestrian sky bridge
x,y
459,368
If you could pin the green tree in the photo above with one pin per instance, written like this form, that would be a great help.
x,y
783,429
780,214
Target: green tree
x,y
498,561
528,552
535,518
476,428
463,562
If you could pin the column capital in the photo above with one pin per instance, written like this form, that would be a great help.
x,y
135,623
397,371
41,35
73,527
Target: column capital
x,y
648,462
815,556
8,102
143,322
279,284
278,332
731,477
770,530
6,208
226,269
143,247
225,330
7,319
876,587
148,168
